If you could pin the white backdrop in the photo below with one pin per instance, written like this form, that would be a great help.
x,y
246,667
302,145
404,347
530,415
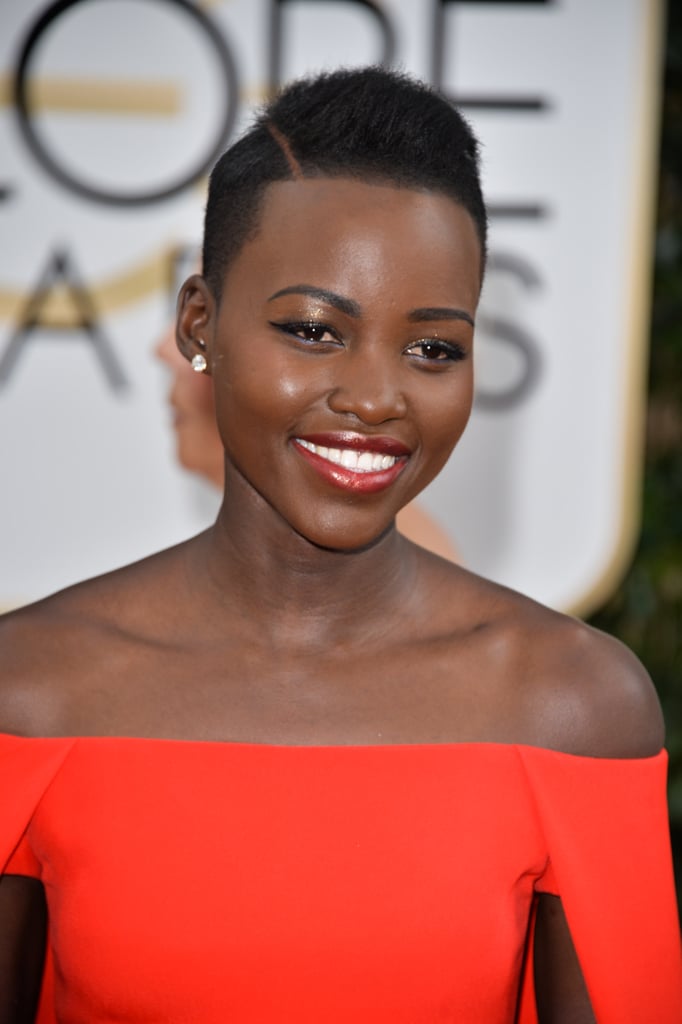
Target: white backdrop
x,y
121,101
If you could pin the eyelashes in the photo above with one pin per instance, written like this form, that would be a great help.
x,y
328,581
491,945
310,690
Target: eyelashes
x,y
426,351
436,350
311,331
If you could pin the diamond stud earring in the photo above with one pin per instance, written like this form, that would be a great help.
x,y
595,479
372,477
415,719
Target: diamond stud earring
x,y
199,363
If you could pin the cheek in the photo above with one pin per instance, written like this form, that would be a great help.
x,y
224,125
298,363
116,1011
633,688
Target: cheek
x,y
448,410
444,418
274,390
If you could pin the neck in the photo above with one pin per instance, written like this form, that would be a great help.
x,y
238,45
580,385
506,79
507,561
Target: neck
x,y
290,591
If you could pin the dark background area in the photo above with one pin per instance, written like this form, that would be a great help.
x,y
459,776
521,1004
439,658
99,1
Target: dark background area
x,y
646,610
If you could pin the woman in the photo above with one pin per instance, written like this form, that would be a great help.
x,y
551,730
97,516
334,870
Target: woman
x,y
298,768
200,450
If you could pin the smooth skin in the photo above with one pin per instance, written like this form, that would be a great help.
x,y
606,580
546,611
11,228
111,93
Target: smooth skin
x,y
377,641
199,448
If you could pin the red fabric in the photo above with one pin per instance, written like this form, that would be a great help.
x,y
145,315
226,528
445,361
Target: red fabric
x,y
253,883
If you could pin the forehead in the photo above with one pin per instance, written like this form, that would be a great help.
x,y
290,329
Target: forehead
x,y
353,234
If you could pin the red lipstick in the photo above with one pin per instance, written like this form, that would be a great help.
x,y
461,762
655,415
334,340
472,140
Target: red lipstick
x,y
358,442
357,480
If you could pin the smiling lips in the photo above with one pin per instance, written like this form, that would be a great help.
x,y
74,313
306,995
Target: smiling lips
x,y
353,462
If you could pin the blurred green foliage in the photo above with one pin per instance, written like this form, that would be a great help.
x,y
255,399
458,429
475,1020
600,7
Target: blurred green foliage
x,y
646,610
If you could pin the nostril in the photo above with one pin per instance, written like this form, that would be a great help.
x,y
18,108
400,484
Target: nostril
x,y
369,396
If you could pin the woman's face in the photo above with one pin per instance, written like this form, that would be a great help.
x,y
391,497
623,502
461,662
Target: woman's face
x,y
198,445
341,352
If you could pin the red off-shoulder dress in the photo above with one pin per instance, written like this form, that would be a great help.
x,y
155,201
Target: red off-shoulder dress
x,y
254,884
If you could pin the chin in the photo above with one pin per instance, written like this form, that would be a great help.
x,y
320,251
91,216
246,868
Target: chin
x,y
348,542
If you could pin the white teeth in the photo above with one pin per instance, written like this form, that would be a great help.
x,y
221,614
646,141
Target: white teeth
x,y
359,462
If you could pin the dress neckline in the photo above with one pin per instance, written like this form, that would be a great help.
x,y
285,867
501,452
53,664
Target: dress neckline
x,y
469,746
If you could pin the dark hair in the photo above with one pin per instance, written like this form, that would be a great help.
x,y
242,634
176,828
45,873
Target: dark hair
x,y
372,124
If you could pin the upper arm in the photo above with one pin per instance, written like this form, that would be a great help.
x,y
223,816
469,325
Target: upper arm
x,y
23,912
560,992
23,923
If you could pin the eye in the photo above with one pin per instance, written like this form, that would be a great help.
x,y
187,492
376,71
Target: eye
x,y
311,332
435,350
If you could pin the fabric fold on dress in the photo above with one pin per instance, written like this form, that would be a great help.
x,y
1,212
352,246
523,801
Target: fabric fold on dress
x,y
27,769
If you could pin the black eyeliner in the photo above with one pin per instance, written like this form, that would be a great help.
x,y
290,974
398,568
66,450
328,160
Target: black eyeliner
x,y
455,352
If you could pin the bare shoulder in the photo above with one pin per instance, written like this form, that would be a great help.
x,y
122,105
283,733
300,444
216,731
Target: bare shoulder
x,y
56,652
587,693
550,680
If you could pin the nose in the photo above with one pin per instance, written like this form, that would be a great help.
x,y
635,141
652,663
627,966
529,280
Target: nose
x,y
368,386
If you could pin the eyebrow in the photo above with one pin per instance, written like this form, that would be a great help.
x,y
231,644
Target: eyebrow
x,y
347,306
352,308
418,316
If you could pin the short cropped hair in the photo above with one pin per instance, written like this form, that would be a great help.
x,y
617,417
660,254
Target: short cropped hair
x,y
370,124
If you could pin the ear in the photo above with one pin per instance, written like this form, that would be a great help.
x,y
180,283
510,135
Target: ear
x,y
195,317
